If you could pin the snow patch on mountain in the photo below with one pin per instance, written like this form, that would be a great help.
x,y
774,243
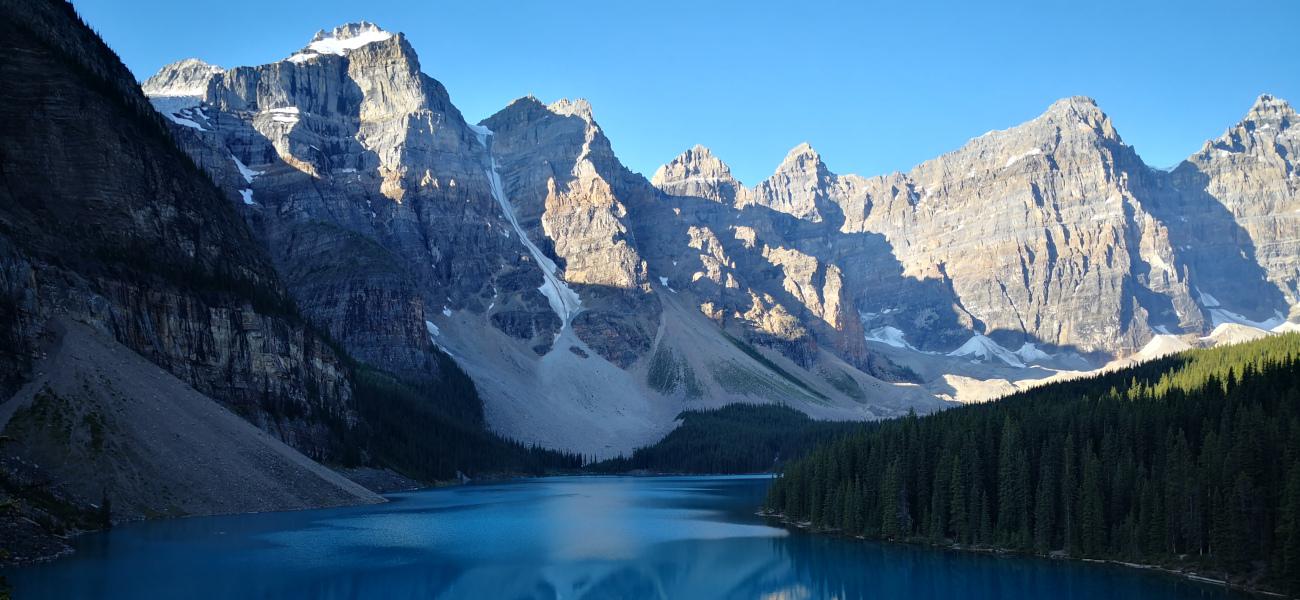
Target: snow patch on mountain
x,y
1219,316
890,336
181,110
248,174
1029,353
1019,157
341,41
1161,345
982,348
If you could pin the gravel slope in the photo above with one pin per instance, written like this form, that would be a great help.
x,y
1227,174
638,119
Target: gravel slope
x,y
99,419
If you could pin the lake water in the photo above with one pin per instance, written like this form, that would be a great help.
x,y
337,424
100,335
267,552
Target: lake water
x,y
572,537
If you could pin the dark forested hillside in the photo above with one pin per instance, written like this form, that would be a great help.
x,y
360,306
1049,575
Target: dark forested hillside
x,y
739,438
435,431
1191,460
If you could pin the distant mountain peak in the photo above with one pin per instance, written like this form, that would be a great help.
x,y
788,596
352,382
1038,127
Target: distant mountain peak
x,y
187,77
578,107
802,149
1269,102
1270,119
1270,108
694,169
1084,110
801,158
341,40
360,30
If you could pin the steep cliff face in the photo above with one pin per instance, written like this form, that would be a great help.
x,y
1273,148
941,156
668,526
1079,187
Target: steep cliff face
x,y
1051,237
1237,222
570,192
1038,234
104,221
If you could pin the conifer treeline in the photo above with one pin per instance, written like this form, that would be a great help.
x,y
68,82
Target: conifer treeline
x,y
737,438
1192,459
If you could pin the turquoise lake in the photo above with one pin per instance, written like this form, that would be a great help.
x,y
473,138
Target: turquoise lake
x,y
567,537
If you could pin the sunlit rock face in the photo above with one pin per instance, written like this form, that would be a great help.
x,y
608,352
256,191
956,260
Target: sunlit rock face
x,y
1039,234
1053,233
1241,204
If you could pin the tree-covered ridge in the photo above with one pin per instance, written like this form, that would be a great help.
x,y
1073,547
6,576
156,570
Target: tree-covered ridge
x,y
1189,460
738,438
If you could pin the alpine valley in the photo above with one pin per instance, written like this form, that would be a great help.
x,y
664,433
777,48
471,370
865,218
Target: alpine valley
x,y
220,280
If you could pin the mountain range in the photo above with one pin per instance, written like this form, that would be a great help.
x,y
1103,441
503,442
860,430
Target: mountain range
x,y
590,305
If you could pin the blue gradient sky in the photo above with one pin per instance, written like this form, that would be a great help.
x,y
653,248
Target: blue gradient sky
x,y
874,86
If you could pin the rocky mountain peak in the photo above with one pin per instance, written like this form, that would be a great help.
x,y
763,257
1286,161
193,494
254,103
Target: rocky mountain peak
x,y
359,34
802,159
1268,106
341,40
579,107
698,172
1268,122
697,161
1084,113
188,77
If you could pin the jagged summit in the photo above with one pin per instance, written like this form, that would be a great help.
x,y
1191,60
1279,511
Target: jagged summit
x,y
188,77
349,31
1268,103
1269,121
579,107
694,161
801,158
342,40
698,172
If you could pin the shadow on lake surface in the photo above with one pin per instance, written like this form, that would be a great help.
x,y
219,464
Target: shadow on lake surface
x,y
572,537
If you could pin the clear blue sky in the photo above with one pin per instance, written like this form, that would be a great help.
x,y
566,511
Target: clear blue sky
x,y
874,86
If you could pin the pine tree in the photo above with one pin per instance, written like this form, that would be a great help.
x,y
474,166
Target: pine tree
x,y
1013,487
1045,503
1092,513
958,522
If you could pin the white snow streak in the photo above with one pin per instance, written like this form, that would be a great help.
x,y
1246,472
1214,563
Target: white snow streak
x,y
983,348
333,45
249,174
563,300
890,336
1019,157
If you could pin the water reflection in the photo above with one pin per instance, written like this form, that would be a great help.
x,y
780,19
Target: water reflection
x,y
552,538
